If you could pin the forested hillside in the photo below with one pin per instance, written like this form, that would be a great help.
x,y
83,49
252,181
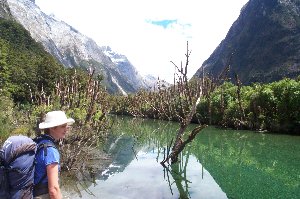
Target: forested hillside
x,y
25,65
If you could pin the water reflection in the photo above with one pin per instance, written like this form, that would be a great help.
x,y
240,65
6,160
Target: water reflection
x,y
192,180
144,177
123,153
218,164
136,172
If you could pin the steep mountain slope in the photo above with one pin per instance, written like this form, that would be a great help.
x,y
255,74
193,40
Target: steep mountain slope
x,y
264,42
4,10
69,46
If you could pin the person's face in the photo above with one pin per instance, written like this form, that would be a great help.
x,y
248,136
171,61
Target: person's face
x,y
59,132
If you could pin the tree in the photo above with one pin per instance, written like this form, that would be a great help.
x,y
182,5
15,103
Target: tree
x,y
188,93
4,71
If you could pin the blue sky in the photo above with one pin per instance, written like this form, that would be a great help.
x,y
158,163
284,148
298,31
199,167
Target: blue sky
x,y
163,23
151,33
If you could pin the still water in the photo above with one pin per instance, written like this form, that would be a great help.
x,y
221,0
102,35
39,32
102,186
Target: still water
x,y
217,164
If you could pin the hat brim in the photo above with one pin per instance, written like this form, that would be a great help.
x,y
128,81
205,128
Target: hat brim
x,y
46,125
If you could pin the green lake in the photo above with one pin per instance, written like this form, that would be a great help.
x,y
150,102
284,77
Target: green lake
x,y
217,164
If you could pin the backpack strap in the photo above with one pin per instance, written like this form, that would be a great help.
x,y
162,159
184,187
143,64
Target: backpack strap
x,y
44,146
1,162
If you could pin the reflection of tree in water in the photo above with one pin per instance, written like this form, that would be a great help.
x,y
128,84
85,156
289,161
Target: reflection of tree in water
x,y
178,173
79,183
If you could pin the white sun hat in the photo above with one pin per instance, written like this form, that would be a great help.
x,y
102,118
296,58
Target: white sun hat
x,y
55,118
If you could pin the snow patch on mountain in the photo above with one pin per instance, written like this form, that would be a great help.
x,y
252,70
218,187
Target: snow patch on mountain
x,y
118,85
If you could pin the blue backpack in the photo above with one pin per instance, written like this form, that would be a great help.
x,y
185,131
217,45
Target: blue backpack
x,y
17,164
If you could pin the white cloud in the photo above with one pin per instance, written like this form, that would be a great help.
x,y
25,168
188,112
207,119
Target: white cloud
x,y
124,25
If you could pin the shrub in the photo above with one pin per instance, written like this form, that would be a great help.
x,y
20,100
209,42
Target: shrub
x,y
6,117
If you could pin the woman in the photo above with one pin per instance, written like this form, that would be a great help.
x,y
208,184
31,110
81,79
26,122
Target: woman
x,y
47,167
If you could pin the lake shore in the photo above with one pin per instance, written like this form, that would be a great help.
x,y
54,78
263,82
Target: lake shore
x,y
92,169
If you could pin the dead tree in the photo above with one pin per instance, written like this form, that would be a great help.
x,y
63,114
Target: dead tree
x,y
239,98
188,93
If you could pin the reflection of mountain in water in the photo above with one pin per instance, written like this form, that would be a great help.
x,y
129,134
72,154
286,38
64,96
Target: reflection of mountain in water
x,y
122,151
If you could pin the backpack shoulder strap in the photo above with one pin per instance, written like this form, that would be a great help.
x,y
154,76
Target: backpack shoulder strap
x,y
1,161
44,146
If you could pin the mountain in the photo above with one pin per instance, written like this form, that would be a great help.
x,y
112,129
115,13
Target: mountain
x,y
72,49
4,10
128,70
263,44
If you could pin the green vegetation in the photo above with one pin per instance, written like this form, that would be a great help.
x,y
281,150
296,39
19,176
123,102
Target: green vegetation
x,y
24,64
6,117
274,107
